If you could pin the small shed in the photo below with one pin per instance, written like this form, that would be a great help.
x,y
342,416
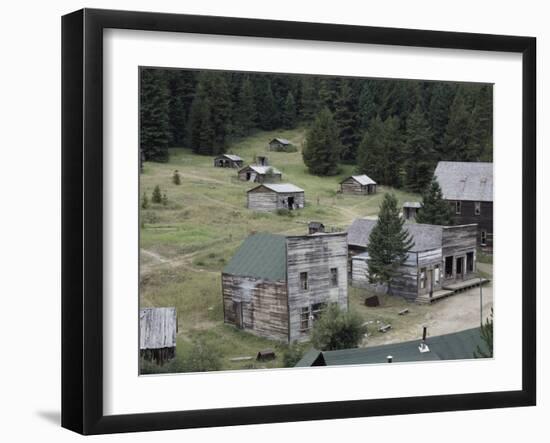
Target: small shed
x,y
270,197
358,184
260,174
262,160
280,144
410,209
157,334
314,227
228,161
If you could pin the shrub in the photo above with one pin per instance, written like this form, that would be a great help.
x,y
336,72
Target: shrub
x,y
145,201
176,178
202,357
164,199
157,195
337,329
293,355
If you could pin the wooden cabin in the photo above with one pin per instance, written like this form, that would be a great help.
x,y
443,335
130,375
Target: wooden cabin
x,y
358,184
441,257
262,160
277,286
314,227
228,161
157,334
260,174
280,144
272,196
468,187
410,209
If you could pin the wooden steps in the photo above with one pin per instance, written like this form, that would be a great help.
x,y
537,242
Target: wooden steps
x,y
451,289
437,295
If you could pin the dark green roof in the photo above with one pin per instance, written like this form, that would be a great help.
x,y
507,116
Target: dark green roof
x,y
260,256
455,346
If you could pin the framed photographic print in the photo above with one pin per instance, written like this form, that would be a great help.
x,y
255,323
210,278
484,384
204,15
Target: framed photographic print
x,y
270,221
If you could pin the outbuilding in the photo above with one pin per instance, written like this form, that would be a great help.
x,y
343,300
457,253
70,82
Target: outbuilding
x,y
228,161
358,184
410,210
280,144
272,196
157,334
260,174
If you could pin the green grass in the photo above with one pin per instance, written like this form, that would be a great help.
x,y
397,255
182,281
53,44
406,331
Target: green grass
x,y
189,241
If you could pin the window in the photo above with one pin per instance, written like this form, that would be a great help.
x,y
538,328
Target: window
x,y
483,237
334,276
477,208
303,281
469,262
422,278
304,319
437,276
317,309
458,208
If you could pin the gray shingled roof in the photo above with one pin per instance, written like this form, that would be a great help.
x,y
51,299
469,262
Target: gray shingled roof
x,y
362,179
455,346
260,256
157,328
412,205
425,237
233,157
280,187
262,169
283,141
465,180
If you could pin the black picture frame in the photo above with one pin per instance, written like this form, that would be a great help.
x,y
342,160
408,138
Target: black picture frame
x,y
82,215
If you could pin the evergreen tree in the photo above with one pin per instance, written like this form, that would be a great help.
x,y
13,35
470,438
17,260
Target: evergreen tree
x,y
388,245
337,329
245,112
322,145
201,130
156,197
181,86
487,337
455,142
371,158
153,115
265,105
176,178
309,98
419,150
435,210
439,107
289,112
144,201
346,118
367,104
392,152
328,92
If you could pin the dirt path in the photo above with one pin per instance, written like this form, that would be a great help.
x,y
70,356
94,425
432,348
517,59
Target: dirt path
x,y
183,261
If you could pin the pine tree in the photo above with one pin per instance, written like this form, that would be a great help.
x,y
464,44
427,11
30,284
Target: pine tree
x,y
266,106
156,197
201,130
367,104
181,85
289,112
371,158
389,244
439,108
328,92
345,116
419,149
455,142
392,152
153,115
144,201
322,145
245,112
310,97
435,210
176,177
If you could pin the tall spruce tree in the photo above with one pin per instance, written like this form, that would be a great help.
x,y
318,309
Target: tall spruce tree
x,y
457,133
288,118
309,98
202,136
153,115
389,243
419,150
367,103
371,157
346,118
245,112
265,105
439,108
322,145
393,152
435,210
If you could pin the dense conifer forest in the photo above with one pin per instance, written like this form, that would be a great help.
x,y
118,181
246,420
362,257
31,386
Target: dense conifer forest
x,y
393,130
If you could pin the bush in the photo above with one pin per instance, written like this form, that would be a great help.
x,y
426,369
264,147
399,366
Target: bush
x,y
337,329
176,178
293,355
164,199
145,201
201,358
157,195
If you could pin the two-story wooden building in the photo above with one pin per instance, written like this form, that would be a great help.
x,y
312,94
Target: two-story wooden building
x,y
276,286
441,257
468,187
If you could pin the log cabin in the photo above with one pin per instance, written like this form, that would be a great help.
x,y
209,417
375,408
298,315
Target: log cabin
x,y
273,196
441,261
358,184
260,174
277,286
280,144
228,161
410,209
468,187
157,334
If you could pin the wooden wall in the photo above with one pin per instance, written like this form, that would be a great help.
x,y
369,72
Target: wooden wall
x,y
351,186
259,178
264,305
267,200
467,216
457,242
315,255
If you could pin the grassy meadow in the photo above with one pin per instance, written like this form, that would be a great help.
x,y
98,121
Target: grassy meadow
x,y
186,243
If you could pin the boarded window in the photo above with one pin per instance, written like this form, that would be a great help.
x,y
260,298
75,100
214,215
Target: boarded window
x,y
304,319
334,276
470,262
317,309
458,208
303,281
483,237
422,278
477,208
437,276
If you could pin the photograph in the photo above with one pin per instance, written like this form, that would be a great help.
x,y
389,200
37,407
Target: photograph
x,y
303,220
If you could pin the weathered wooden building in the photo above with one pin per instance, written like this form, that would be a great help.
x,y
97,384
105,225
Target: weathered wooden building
x,y
280,144
358,184
314,227
468,187
410,209
157,334
228,161
442,260
272,196
276,286
260,174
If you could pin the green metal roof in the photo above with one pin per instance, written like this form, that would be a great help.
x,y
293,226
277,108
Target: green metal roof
x,y
455,346
260,256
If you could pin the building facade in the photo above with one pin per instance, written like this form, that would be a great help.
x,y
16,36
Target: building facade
x,y
260,174
270,197
228,161
358,184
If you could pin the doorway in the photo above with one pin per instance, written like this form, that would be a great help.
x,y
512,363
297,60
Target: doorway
x,y
460,267
290,202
